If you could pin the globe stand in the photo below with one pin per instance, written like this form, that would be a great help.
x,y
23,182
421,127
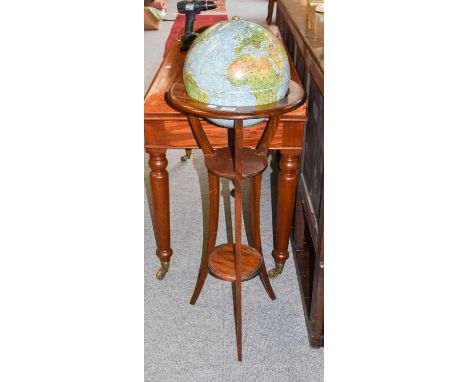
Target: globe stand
x,y
234,262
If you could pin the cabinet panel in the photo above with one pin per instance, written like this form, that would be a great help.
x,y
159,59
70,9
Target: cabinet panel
x,y
312,167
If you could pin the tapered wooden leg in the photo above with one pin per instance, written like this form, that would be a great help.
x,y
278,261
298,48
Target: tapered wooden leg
x,y
287,183
160,196
238,124
238,318
212,232
255,191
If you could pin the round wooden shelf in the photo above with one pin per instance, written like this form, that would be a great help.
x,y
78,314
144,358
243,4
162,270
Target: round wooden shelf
x,y
221,163
221,262
178,98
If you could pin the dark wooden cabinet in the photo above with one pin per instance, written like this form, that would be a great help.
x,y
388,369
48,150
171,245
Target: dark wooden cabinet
x,y
302,31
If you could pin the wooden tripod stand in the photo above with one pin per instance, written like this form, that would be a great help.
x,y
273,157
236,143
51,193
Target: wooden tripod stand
x,y
234,262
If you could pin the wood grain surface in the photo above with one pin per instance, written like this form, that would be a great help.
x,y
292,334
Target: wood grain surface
x,y
178,98
222,264
221,163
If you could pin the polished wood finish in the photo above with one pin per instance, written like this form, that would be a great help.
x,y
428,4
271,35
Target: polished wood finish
x,y
289,163
175,133
220,161
167,128
221,164
238,152
255,192
200,135
302,31
160,194
178,98
212,233
222,264
267,137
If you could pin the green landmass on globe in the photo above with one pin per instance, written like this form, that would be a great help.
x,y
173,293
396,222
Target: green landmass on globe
x,y
194,90
253,39
259,75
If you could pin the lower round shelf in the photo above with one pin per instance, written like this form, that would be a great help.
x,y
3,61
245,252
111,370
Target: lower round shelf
x,y
222,263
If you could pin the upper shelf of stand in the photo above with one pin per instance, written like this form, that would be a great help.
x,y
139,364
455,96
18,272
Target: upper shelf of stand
x,y
178,98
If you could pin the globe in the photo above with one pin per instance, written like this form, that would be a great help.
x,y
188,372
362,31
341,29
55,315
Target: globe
x,y
236,63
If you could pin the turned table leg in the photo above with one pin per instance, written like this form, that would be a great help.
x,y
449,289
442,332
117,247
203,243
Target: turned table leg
x,y
160,196
287,182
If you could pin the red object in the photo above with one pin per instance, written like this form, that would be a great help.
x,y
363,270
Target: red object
x,y
200,21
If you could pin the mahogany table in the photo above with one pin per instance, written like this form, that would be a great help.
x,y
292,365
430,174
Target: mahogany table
x,y
166,128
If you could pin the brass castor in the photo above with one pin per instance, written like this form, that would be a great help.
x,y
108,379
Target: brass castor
x,y
273,273
163,270
188,154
